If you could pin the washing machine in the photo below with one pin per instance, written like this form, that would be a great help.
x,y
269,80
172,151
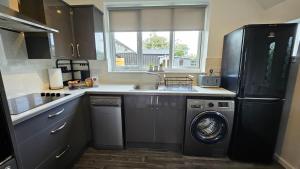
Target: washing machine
x,y
208,127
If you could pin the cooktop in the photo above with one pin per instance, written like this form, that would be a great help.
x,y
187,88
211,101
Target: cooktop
x,y
24,103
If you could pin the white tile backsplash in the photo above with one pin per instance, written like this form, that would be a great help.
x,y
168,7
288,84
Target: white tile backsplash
x,y
20,74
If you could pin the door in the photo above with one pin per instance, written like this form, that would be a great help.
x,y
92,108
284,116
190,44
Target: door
x,y
209,127
84,32
267,59
255,130
169,119
139,119
59,16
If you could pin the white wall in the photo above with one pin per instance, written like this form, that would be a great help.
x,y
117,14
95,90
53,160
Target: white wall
x,y
21,75
283,12
97,3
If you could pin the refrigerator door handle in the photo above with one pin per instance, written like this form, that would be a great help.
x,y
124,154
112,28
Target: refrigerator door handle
x,y
260,98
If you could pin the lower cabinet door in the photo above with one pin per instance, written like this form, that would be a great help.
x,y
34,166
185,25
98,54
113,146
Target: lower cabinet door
x,y
169,119
139,119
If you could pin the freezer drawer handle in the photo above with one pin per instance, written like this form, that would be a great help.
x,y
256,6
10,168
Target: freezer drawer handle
x,y
56,114
62,153
252,98
59,128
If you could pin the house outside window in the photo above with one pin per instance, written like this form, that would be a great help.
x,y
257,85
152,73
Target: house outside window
x,y
169,37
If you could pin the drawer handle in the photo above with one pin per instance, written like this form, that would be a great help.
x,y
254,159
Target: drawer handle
x,y
62,153
56,114
59,128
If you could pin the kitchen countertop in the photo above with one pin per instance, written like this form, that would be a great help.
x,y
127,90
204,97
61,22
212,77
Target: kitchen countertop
x,y
115,89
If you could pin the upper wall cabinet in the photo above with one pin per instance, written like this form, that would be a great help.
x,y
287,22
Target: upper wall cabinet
x,y
80,36
89,32
56,14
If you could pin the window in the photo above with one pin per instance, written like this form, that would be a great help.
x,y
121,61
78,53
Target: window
x,y
167,37
186,49
125,50
156,49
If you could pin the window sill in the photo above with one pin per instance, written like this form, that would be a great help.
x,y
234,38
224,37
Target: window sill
x,y
176,71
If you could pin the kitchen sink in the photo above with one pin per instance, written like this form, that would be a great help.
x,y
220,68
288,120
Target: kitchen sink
x,y
178,89
163,88
145,87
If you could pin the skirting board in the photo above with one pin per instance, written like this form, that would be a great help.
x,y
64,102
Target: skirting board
x,y
283,162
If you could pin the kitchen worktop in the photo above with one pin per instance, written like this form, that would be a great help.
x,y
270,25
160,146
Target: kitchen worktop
x,y
115,89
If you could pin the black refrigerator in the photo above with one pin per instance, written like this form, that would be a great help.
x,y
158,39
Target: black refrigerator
x,y
255,65
7,149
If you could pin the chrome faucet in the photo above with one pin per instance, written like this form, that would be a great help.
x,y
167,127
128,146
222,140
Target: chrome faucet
x,y
158,80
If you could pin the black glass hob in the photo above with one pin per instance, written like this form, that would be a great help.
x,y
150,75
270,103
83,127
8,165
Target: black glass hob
x,y
24,103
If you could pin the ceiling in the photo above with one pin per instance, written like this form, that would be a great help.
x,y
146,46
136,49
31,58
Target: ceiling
x,y
269,3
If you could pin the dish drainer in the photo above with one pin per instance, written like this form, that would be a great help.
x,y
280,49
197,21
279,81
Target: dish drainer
x,y
185,82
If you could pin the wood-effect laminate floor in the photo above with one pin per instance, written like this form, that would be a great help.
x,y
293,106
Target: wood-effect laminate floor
x,y
156,159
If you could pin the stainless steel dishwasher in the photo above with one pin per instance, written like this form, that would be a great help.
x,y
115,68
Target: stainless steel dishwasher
x,y
107,127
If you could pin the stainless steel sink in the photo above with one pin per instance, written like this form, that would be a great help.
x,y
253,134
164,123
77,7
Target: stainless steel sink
x,y
145,87
178,89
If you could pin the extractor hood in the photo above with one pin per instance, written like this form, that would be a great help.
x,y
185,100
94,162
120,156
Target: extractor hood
x,y
14,21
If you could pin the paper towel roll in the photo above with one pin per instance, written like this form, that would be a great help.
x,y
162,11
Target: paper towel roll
x,y
55,78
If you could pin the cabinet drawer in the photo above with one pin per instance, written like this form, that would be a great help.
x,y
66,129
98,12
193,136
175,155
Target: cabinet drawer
x,y
31,127
36,149
63,157
59,159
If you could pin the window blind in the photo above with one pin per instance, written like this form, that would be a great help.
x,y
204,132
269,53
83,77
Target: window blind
x,y
157,19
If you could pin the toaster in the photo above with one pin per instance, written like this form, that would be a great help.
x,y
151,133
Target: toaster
x,y
210,80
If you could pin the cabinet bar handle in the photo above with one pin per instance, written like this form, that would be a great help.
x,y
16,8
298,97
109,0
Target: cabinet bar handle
x,y
73,49
62,153
56,114
157,100
59,128
151,101
78,52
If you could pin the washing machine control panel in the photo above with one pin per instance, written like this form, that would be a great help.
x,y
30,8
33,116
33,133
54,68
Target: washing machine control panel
x,y
210,104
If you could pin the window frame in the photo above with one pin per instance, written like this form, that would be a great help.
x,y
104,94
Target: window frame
x,y
171,68
202,44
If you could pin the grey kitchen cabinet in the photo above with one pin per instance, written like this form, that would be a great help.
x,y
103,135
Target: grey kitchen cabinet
x,y
81,30
139,119
56,14
44,138
169,119
154,119
89,32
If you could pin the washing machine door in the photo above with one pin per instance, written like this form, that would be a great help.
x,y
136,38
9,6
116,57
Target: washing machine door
x,y
209,127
